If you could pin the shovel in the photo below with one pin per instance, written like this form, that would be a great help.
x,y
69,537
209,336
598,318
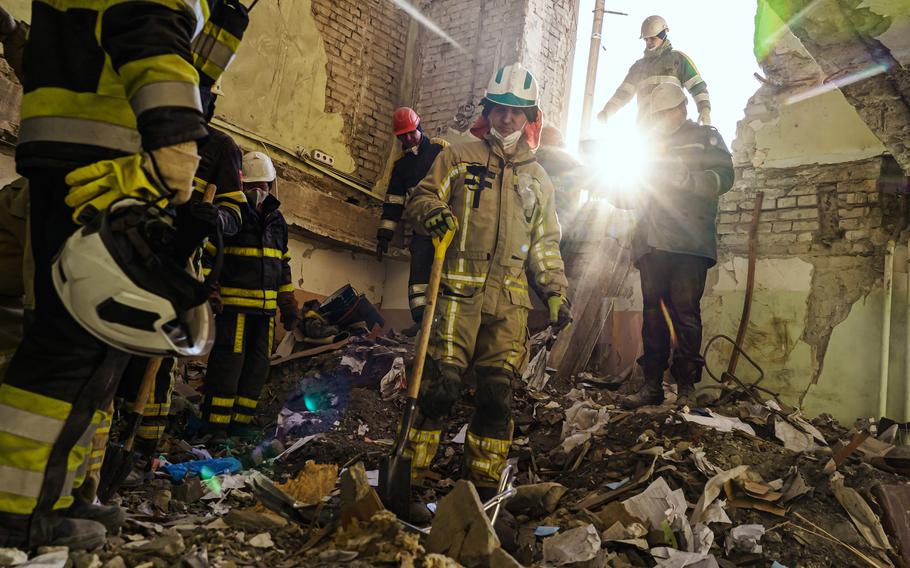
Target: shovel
x,y
119,459
395,470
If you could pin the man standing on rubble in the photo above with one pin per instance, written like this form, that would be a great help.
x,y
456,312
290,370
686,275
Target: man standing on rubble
x,y
254,281
409,169
674,242
500,202
661,64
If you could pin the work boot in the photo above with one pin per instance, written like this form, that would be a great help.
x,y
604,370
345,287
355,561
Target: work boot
x,y
651,393
244,432
78,534
111,517
685,394
139,474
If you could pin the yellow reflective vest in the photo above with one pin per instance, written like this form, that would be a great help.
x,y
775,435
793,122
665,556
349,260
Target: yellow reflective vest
x,y
506,213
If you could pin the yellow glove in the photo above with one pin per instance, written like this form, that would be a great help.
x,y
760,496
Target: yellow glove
x,y
94,187
704,117
560,312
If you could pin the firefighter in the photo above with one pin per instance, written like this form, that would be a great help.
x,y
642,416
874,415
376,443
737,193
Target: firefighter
x,y
500,202
255,280
109,113
674,242
409,169
220,163
661,64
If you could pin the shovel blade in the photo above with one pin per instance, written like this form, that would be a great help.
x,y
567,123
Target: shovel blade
x,y
395,484
117,465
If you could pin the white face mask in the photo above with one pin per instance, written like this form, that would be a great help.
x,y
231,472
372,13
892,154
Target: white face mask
x,y
508,142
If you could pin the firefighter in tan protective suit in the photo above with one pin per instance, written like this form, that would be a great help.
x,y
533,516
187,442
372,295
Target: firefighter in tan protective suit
x,y
500,202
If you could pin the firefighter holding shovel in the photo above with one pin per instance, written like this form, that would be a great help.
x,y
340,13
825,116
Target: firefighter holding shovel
x,y
499,203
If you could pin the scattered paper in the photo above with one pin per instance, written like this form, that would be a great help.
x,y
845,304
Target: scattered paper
x,y
354,364
745,538
395,381
777,564
373,477
575,545
462,434
793,438
301,442
712,490
633,534
656,503
704,538
430,506
716,513
671,558
865,520
718,422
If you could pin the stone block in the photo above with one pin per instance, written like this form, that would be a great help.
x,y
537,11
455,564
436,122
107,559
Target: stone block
x,y
786,202
807,201
782,226
805,225
799,214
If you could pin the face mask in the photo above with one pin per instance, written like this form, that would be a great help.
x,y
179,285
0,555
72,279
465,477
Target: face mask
x,y
256,197
507,141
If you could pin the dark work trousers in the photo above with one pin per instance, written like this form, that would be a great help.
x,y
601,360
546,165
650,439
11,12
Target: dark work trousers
x,y
237,369
158,406
58,380
679,281
421,248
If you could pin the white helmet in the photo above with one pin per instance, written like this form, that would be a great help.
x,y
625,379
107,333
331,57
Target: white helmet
x,y
665,96
116,278
258,167
513,86
652,26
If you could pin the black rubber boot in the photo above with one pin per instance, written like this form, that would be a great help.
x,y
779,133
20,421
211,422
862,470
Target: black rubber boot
x,y
650,394
111,517
685,394
78,534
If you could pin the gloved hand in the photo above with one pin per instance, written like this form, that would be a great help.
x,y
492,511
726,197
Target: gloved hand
x,y
440,221
94,187
704,117
560,312
176,165
215,299
289,311
206,215
602,116
670,172
382,247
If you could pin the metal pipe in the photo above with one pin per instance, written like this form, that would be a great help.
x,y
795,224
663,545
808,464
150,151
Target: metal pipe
x,y
888,288
591,78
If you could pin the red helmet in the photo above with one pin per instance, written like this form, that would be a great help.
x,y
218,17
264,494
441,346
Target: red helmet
x,y
404,120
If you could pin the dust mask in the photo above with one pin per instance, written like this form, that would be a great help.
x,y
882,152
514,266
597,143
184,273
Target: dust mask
x,y
256,197
508,142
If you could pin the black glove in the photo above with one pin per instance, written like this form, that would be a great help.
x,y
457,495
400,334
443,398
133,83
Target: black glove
x,y
196,220
382,247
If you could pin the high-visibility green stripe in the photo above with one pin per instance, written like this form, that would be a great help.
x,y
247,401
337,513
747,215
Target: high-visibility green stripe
x,y
248,293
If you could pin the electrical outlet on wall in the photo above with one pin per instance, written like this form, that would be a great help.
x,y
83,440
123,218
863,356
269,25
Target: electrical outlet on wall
x,y
321,156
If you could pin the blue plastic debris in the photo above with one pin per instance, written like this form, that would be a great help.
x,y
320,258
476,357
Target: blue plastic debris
x,y
205,469
617,484
777,565
545,531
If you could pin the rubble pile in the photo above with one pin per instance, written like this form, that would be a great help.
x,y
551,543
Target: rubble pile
x,y
750,483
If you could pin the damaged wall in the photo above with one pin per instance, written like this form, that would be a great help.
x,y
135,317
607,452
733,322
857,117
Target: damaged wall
x,y
538,33
816,323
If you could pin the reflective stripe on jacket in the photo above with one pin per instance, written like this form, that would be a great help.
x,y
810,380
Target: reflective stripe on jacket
x,y
664,65
407,172
256,262
108,78
507,221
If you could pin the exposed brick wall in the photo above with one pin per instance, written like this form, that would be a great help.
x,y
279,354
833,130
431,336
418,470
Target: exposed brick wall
x,y
549,52
539,33
365,43
489,31
831,209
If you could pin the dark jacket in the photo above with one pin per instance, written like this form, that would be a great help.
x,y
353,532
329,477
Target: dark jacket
x,y
256,261
220,163
683,220
406,173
